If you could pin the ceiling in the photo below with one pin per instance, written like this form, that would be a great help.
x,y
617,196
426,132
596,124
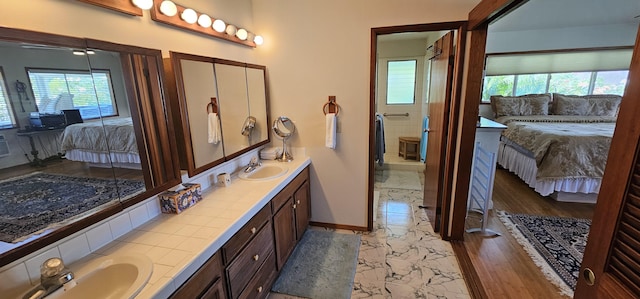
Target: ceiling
x,y
548,14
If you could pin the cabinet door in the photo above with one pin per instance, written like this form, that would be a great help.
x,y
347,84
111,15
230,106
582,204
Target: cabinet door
x,y
302,208
216,291
284,231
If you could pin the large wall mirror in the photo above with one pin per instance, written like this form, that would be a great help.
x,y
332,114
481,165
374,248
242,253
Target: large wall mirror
x,y
83,134
241,107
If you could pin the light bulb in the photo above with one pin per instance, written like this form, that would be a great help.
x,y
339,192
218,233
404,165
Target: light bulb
x,y
168,8
258,40
204,21
143,4
231,30
241,34
189,15
219,25
78,52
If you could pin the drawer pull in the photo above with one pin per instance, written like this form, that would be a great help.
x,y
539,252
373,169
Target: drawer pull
x,y
259,290
295,206
256,257
253,230
298,202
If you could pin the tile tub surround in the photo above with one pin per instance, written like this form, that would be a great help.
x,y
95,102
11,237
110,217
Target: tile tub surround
x,y
177,244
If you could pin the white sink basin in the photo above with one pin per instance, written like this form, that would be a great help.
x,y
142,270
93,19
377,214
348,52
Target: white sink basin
x,y
265,172
119,276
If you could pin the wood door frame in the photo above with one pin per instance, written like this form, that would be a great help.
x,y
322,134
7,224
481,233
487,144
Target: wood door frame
x,y
452,126
484,13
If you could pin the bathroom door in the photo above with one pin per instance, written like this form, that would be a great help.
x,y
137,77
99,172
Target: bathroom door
x,y
439,103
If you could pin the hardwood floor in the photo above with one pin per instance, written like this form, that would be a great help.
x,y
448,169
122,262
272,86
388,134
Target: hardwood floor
x,y
66,167
504,268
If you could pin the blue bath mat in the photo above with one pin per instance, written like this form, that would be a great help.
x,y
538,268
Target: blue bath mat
x,y
323,265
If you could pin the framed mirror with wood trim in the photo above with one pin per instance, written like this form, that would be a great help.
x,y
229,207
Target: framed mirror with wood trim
x,y
235,92
86,133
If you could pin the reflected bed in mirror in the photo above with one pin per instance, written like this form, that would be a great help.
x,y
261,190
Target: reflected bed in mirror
x,y
71,111
242,108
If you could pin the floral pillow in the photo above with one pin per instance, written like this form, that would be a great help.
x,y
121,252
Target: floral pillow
x,y
530,104
592,105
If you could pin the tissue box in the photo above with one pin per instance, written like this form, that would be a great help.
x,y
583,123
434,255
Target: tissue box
x,y
174,202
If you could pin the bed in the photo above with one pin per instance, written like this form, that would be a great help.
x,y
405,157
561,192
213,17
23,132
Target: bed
x,y
107,143
557,144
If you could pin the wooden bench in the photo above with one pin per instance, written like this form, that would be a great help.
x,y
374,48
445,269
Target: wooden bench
x,y
409,148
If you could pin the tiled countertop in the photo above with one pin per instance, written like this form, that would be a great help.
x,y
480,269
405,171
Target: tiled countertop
x,y
179,244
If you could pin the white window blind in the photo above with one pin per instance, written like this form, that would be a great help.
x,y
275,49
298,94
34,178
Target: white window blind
x,y
401,81
559,62
7,119
57,90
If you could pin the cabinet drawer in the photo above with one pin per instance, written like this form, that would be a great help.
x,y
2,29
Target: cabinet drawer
x,y
288,191
245,234
210,273
260,284
243,268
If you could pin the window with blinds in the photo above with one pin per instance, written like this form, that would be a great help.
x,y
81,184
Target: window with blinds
x,y
575,73
89,92
7,119
401,81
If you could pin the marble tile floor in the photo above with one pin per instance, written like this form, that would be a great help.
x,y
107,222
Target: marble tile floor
x,y
402,257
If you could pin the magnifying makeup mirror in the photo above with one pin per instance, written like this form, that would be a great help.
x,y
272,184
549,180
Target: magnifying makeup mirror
x,y
283,127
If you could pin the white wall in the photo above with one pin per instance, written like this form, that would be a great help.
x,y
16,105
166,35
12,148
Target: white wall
x,y
314,49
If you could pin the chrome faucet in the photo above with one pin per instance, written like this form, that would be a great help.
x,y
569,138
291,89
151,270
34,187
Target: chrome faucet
x,y
253,164
53,275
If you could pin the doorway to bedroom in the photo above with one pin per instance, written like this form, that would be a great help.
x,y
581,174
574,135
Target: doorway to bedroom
x,y
508,265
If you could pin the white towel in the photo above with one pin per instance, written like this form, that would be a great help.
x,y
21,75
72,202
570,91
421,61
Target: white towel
x,y
330,137
213,125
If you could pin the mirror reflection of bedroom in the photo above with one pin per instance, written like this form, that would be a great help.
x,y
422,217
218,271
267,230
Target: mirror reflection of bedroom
x,y
555,72
70,134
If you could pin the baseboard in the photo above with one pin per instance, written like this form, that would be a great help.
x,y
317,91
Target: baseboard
x,y
471,278
339,226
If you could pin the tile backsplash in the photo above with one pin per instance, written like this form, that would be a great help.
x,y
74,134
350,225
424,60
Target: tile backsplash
x,y
20,275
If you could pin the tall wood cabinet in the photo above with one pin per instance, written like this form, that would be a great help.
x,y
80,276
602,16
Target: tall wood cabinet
x,y
292,210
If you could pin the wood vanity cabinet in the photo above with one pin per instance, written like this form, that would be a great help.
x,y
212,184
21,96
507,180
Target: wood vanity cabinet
x,y
247,265
207,283
249,258
291,216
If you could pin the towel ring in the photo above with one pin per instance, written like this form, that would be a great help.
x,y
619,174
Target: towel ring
x,y
331,106
214,106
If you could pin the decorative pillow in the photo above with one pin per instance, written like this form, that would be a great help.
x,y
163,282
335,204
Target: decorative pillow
x,y
530,104
592,105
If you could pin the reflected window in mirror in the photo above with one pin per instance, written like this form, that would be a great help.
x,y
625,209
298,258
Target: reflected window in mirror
x,y
57,90
7,119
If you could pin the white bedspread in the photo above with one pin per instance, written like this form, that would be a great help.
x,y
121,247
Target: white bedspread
x,y
110,140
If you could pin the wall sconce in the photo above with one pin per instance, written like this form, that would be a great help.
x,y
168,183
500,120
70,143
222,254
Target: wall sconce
x,y
168,8
168,12
219,25
242,34
143,4
204,20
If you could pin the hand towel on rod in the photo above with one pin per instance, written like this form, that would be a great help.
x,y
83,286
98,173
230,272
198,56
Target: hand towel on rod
x,y
213,126
330,130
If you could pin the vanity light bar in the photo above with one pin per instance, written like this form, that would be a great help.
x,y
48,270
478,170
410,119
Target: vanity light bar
x,y
168,12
